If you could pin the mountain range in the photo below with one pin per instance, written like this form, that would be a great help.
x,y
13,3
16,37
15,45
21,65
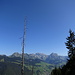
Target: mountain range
x,y
40,63
53,58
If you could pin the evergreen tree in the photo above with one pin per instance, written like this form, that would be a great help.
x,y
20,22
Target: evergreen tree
x,y
69,68
56,71
70,44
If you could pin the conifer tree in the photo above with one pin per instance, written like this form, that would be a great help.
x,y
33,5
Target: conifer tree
x,y
56,71
70,44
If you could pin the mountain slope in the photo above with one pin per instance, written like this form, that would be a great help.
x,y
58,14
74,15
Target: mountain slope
x,y
53,58
39,63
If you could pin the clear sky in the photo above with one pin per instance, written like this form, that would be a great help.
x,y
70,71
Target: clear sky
x,y
48,23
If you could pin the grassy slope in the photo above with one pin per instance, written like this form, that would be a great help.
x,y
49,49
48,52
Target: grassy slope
x,y
12,66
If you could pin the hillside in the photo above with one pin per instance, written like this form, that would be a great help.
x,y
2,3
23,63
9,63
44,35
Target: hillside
x,y
39,63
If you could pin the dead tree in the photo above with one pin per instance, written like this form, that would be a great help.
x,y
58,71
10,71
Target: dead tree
x,y
23,47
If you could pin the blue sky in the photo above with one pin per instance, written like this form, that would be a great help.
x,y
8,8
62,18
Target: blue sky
x,y
48,23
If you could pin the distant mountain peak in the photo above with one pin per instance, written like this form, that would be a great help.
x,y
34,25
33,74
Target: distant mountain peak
x,y
16,54
53,54
40,54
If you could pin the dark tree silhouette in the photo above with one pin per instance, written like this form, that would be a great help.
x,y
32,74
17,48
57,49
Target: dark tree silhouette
x,y
70,44
69,68
56,71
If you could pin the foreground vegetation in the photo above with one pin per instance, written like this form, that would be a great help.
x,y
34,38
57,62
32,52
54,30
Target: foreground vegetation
x,y
69,68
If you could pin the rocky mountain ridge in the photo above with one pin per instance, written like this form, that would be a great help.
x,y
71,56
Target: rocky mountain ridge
x,y
52,58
